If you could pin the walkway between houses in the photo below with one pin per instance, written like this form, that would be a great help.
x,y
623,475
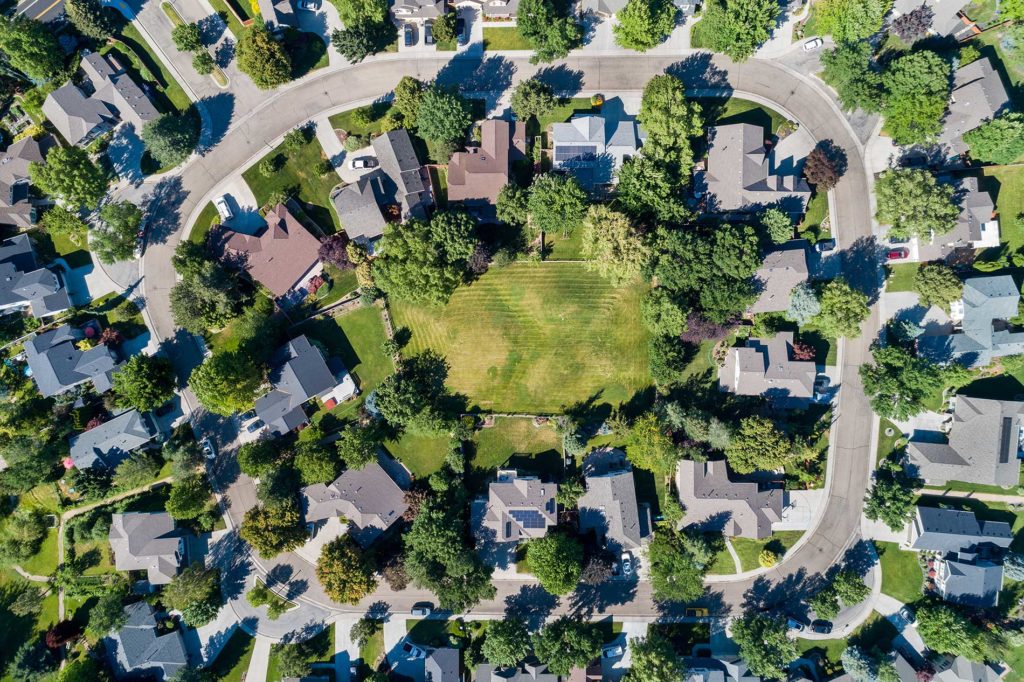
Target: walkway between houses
x,y
257,671
982,497
28,576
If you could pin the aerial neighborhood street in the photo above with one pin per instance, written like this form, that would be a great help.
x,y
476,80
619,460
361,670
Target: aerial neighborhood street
x,y
448,340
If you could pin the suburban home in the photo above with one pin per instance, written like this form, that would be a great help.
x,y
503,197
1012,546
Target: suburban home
x,y
982,446
782,270
137,650
147,541
476,176
982,312
363,205
283,257
17,207
108,96
298,374
529,671
960,669
609,507
764,367
977,226
58,364
278,14
499,9
944,14
418,10
520,507
26,286
112,442
368,500
592,673
736,506
398,160
592,147
443,665
978,96
605,9
969,580
730,669
948,530
746,173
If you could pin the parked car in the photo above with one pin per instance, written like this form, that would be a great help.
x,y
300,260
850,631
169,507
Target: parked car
x,y
627,564
613,651
907,614
428,32
825,245
140,239
422,610
309,5
899,253
362,162
208,450
461,34
223,209
412,651
813,44
255,426
822,627
696,613
407,32
794,624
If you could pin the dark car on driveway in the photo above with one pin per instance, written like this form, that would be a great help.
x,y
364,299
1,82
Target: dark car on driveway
x,y
407,32
461,34
822,627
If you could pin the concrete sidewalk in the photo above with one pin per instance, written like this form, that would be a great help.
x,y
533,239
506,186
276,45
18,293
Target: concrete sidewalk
x,y
257,671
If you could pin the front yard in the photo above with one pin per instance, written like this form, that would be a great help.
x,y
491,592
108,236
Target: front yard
x,y
504,38
901,575
298,177
748,550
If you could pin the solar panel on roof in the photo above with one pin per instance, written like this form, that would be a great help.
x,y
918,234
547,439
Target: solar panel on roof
x,y
528,518
571,151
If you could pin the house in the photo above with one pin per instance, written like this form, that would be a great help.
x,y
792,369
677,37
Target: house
x,y
520,507
137,650
982,445
147,541
499,9
592,147
25,285
729,669
368,499
944,13
443,665
592,673
477,176
298,374
948,530
530,671
969,580
417,10
978,95
609,507
976,227
278,14
57,363
763,367
605,9
112,442
359,207
782,270
736,506
983,310
960,669
282,257
110,96
744,173
398,160
17,207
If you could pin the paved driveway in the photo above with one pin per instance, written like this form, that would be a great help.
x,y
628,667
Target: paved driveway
x,y
243,204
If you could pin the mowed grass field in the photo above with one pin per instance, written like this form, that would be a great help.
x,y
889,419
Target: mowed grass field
x,y
536,337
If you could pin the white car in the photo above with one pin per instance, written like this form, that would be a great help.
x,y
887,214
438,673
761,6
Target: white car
x,y
359,162
627,564
813,44
422,610
412,651
613,651
309,5
223,209
208,450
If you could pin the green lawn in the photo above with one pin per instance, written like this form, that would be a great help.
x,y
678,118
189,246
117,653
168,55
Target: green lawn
x,y
308,52
203,224
95,556
297,177
887,444
876,631
748,550
45,560
18,629
559,247
737,110
1006,184
342,283
517,443
221,7
437,633
811,227
318,649
233,661
352,122
504,38
152,70
439,181
107,310
723,564
536,338
566,109
901,277
901,575
371,651
422,455
52,246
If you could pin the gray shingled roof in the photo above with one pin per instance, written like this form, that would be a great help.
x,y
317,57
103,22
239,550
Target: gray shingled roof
x,y
782,270
968,580
961,669
298,373
501,8
986,300
604,7
111,442
443,665
78,118
609,506
531,671
136,650
58,365
741,175
978,95
358,205
763,367
737,507
16,206
398,159
520,507
593,147
981,448
23,283
418,9
950,530
147,541
278,14
368,498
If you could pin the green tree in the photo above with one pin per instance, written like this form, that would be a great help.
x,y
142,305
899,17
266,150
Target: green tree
x,y
203,63
196,593
85,669
668,360
764,645
736,251
848,69
557,204
31,662
937,284
999,141
915,204
507,642
293,661
354,11
262,58
848,21
671,121
825,603
738,27
357,41
564,644
649,189
190,497
1012,9
899,384
60,221
678,563
363,631
850,587
106,615
411,398
843,310
443,116
29,602
357,445
662,313
654,660
804,305
346,575
31,47
91,18
946,631
23,535
513,205
444,28
550,30
406,102
258,458
557,561
892,496
570,491
425,262
227,382
649,445
532,97
187,37
114,239
917,90
643,24
272,530
171,138
612,247
777,225
145,382
758,445
316,462
69,176
140,468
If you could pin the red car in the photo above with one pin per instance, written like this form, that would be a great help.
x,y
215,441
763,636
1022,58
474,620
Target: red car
x,y
897,254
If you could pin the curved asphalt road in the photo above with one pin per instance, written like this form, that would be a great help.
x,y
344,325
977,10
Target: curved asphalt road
x,y
849,471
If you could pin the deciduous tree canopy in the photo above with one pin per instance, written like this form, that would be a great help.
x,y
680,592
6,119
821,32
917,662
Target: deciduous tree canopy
x,y
262,58
915,204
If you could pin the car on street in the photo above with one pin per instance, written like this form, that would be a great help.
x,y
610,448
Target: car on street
x,y
696,613
428,32
422,610
907,614
899,253
408,34
223,209
813,44
461,34
140,239
613,651
825,245
209,452
412,651
627,563
255,426
822,627
360,162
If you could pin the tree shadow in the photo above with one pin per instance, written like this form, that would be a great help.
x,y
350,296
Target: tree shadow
x,y
162,208
699,72
217,112
533,604
564,81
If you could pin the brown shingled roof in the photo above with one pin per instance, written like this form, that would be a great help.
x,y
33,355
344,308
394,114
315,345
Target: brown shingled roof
x,y
480,173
